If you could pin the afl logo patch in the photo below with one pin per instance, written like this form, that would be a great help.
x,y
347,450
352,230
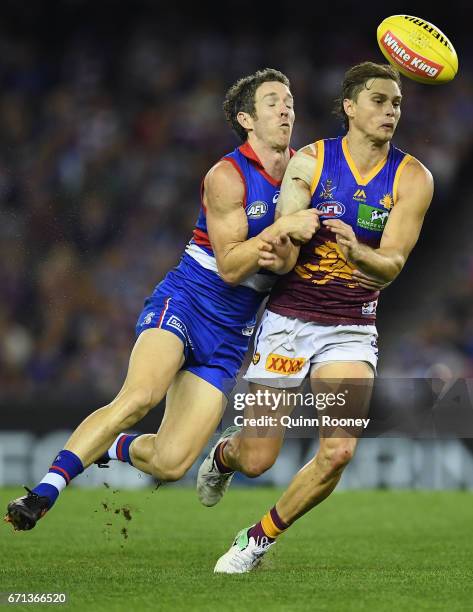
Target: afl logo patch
x,y
257,209
331,210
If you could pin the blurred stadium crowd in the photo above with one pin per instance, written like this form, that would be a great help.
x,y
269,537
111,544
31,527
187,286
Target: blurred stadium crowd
x,y
103,147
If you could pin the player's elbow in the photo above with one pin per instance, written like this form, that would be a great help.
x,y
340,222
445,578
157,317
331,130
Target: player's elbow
x,y
398,261
231,277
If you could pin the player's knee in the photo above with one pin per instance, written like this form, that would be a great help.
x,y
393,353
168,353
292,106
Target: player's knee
x,y
342,457
168,469
338,454
254,463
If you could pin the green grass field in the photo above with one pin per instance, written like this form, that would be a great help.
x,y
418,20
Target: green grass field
x,y
358,551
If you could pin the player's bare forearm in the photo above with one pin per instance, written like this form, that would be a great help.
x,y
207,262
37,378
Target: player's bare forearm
x,y
368,281
240,260
381,264
271,250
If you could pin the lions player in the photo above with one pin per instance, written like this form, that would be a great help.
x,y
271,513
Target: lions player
x,y
320,318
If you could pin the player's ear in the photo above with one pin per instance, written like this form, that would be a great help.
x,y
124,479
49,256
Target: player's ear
x,y
245,120
348,107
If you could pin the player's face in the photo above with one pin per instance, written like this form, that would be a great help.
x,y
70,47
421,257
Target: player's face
x,y
274,118
377,110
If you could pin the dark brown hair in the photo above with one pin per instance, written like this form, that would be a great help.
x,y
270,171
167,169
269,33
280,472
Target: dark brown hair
x,y
355,80
241,97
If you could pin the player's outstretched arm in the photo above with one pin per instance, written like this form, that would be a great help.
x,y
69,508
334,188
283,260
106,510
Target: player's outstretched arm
x,y
402,229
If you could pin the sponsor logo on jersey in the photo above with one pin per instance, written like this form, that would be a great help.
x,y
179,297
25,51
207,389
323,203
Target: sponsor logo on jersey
x,y
175,322
331,210
327,189
275,197
371,218
287,366
359,195
256,358
369,308
387,201
257,209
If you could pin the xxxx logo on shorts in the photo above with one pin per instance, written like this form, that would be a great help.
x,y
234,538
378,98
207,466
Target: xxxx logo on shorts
x,y
284,365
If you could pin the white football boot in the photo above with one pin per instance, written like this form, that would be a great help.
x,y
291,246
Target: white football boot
x,y
244,555
212,484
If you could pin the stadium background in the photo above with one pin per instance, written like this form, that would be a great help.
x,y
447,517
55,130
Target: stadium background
x,y
110,116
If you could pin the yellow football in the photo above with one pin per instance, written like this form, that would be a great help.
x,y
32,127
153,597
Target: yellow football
x,y
418,49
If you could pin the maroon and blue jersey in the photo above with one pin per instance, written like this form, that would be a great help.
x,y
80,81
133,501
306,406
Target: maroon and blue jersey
x,y
213,319
321,287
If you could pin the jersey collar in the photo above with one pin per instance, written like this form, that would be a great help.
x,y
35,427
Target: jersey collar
x,y
247,150
362,180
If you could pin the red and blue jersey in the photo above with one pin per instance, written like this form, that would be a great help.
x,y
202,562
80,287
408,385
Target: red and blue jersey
x,y
213,319
261,195
198,261
321,287
196,279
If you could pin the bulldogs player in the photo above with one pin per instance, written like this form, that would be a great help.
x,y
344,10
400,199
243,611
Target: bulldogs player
x,y
195,328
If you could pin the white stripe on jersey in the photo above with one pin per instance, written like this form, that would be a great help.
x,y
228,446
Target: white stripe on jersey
x,y
204,259
261,283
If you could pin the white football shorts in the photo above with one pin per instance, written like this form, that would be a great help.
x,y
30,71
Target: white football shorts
x,y
286,348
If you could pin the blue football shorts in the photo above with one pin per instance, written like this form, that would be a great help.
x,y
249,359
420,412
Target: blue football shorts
x,y
214,349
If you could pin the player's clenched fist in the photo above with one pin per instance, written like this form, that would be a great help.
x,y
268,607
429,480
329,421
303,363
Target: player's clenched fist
x,y
273,256
300,226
